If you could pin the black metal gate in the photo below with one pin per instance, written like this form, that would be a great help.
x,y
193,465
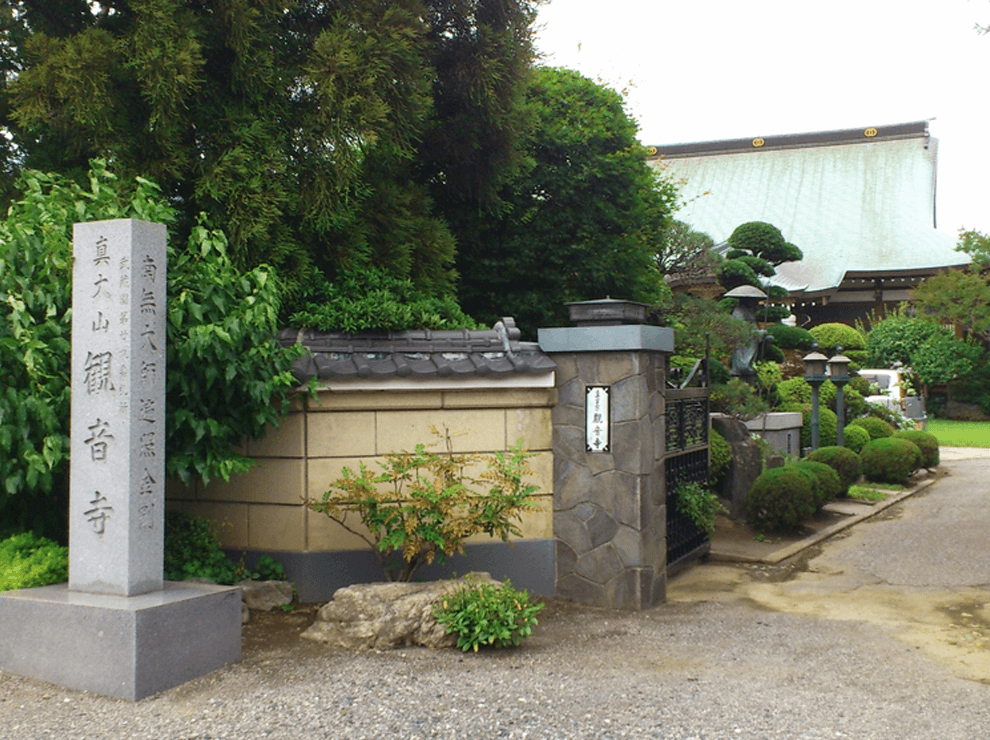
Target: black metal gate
x,y
686,462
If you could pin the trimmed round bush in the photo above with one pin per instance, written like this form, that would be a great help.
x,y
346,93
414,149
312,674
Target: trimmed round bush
x,y
830,336
720,455
876,428
790,337
890,460
825,480
927,443
781,499
843,461
854,437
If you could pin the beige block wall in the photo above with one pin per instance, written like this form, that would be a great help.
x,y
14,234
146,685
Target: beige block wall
x,y
263,509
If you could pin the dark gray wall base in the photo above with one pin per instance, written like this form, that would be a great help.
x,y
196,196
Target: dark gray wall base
x,y
528,564
120,646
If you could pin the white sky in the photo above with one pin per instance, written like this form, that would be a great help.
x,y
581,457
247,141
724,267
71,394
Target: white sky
x,y
699,70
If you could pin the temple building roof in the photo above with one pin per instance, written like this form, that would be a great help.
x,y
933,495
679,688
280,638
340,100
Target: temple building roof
x,y
859,203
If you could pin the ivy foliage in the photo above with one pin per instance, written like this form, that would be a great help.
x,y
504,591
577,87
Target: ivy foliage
x,y
423,505
227,378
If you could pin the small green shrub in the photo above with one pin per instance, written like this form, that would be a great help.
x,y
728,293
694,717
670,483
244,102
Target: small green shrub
x,y
876,428
854,437
423,505
738,399
29,561
700,505
825,479
827,424
485,614
781,499
192,550
720,456
790,337
843,461
830,336
927,443
718,372
890,460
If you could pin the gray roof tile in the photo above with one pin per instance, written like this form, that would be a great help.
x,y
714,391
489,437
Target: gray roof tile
x,y
421,354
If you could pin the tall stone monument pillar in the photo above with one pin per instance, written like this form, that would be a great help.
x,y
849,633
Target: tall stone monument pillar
x,y
608,446
117,628
117,479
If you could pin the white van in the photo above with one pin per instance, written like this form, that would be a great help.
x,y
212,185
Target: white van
x,y
892,393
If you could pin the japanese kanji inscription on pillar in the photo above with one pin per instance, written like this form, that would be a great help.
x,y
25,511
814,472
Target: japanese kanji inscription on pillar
x,y
116,524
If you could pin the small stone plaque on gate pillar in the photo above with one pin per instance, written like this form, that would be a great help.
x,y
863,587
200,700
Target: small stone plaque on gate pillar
x,y
117,474
596,407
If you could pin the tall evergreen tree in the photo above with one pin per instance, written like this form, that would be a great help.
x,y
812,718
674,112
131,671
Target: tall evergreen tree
x,y
582,220
315,133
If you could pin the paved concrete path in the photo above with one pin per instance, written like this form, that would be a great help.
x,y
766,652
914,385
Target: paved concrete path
x,y
921,570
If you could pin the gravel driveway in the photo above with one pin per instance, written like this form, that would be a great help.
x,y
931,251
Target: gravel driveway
x,y
715,665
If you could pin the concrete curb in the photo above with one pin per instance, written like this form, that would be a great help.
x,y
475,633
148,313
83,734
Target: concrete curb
x,y
789,551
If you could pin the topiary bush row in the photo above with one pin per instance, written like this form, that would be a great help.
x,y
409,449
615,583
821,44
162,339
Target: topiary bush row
x,y
783,498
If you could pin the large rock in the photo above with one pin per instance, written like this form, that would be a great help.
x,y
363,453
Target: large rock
x,y
266,595
746,466
386,615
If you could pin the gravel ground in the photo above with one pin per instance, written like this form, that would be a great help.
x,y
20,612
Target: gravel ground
x,y
682,670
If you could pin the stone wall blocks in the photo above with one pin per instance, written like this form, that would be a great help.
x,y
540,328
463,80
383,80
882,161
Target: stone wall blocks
x,y
571,531
571,483
566,559
625,590
580,590
600,565
629,399
601,527
600,462
628,546
571,394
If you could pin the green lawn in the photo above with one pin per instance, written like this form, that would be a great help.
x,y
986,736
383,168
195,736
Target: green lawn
x,y
960,433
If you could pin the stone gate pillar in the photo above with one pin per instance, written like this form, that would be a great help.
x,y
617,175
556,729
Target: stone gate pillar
x,y
608,444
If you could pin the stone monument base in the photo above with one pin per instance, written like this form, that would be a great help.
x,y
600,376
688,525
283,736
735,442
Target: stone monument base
x,y
120,646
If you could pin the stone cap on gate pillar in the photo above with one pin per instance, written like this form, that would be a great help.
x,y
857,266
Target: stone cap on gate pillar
x,y
607,325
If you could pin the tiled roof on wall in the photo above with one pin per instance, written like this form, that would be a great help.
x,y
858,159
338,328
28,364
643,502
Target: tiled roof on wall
x,y
415,355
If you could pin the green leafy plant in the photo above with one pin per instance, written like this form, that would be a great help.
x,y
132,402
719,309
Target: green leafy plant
x,y
738,399
826,481
927,443
28,561
227,376
699,504
890,460
790,337
720,456
192,550
781,499
423,505
855,437
487,615
867,493
372,299
830,336
876,428
843,461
